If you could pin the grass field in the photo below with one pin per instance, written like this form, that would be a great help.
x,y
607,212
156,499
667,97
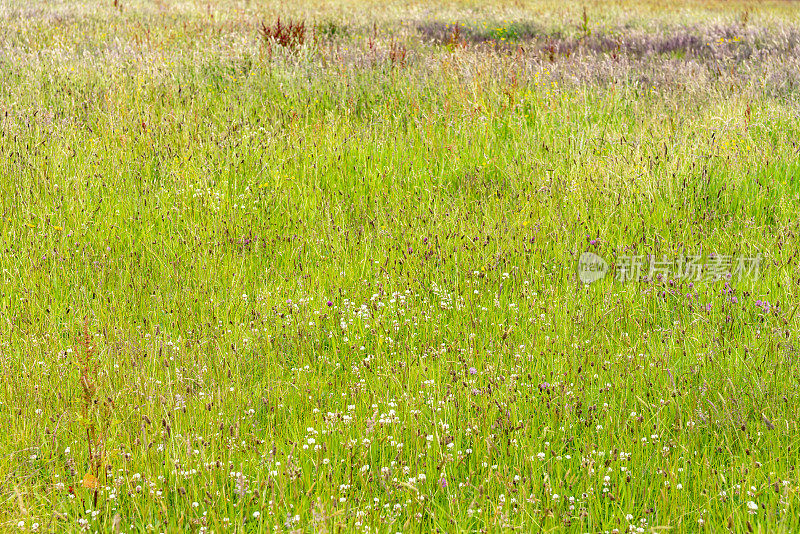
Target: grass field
x,y
263,277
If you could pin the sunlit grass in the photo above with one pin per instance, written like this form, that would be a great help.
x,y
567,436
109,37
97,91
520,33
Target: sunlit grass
x,y
333,287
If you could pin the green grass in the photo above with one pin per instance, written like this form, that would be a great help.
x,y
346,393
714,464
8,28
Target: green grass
x,y
324,290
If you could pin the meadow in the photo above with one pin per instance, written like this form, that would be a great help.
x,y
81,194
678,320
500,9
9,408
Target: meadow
x,y
313,267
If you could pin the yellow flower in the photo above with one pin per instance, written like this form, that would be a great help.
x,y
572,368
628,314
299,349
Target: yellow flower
x,y
90,481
